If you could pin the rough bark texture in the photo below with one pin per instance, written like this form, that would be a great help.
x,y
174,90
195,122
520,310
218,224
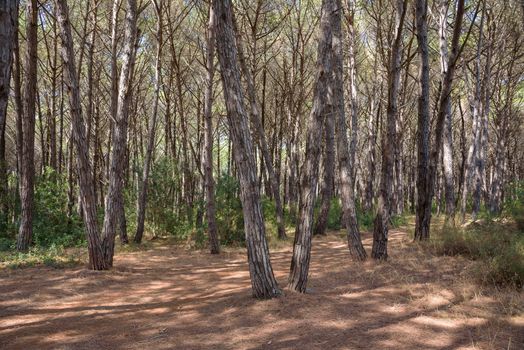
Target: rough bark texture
x,y
346,161
326,193
423,216
258,130
114,198
380,227
8,14
447,146
263,282
85,181
27,170
142,197
209,183
444,100
322,97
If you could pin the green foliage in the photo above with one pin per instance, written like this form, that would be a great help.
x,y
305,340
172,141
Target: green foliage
x,y
514,205
52,223
230,221
53,256
498,248
335,214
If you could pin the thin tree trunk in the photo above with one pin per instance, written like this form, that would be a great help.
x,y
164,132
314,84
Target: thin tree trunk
x,y
346,161
322,102
209,183
423,223
447,149
423,216
114,198
380,227
28,129
142,197
8,18
263,282
96,258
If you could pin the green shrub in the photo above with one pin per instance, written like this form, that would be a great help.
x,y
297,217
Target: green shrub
x,y
52,223
497,248
229,217
515,203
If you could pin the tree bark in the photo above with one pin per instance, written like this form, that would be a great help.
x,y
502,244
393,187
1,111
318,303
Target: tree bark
x,y
447,148
423,216
209,183
27,171
142,197
422,230
258,131
263,282
322,102
346,160
85,181
380,227
8,15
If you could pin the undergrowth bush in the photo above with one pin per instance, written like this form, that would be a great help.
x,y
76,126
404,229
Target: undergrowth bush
x,y
498,249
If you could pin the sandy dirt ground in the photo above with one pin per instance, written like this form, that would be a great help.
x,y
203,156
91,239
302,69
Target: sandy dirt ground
x,y
166,297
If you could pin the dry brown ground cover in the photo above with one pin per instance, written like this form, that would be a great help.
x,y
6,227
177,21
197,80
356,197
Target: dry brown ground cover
x,y
166,297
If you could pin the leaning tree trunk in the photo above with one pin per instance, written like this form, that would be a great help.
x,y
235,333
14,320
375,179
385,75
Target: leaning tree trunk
x,y
380,227
423,216
209,183
8,15
142,197
346,161
263,282
322,100
27,157
85,180
114,198
258,131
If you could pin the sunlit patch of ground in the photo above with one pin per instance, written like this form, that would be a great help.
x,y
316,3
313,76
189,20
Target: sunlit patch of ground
x,y
165,297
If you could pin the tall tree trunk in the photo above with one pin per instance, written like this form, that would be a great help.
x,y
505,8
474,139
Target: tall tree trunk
x,y
142,197
8,18
209,183
85,181
258,130
322,102
423,216
263,282
423,223
346,161
114,199
447,148
28,129
380,227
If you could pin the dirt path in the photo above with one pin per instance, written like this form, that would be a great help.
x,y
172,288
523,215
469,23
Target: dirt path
x,y
169,298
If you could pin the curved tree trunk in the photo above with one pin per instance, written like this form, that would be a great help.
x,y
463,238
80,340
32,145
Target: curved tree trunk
x,y
263,282
322,97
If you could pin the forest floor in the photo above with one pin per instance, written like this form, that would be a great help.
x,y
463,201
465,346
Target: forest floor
x,y
168,297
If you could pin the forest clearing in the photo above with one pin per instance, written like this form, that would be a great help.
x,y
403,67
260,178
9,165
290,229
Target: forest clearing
x,y
166,297
261,174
